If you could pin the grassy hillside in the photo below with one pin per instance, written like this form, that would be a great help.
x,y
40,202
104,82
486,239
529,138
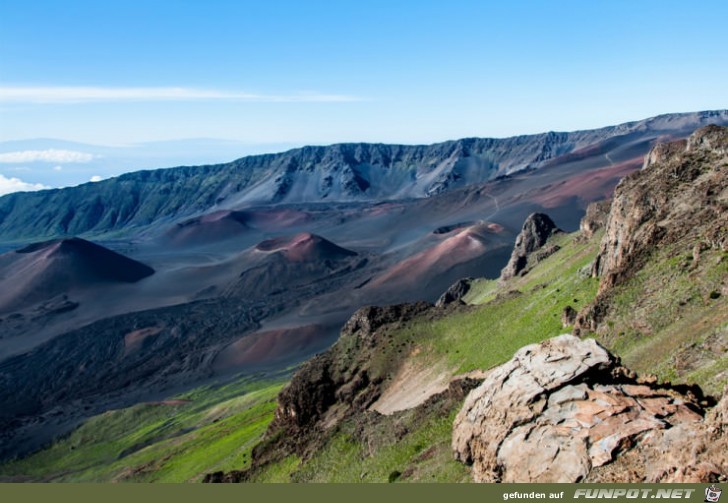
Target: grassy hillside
x,y
177,440
414,445
677,301
671,318
527,309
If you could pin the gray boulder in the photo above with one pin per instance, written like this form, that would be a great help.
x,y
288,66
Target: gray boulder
x,y
536,231
557,411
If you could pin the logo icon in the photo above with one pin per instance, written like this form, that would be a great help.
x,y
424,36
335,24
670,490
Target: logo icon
x,y
712,493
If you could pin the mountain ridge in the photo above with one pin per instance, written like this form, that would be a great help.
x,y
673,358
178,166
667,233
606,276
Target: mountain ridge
x,y
347,172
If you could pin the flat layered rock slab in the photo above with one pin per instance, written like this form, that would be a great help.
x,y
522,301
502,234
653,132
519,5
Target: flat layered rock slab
x,y
559,409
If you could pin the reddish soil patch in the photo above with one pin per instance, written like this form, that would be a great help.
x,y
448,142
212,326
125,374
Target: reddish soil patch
x,y
269,346
215,226
278,218
461,247
305,247
383,209
134,340
590,186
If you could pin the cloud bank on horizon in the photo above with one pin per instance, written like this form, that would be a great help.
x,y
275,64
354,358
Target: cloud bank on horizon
x,y
10,185
50,159
51,155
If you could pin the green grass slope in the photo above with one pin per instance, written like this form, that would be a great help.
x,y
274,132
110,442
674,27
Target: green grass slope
x,y
177,440
527,309
671,318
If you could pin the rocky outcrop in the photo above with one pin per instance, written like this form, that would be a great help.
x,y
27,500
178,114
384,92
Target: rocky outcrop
x,y
679,195
536,231
455,293
334,385
689,452
595,218
374,430
568,316
341,384
341,375
560,410
664,151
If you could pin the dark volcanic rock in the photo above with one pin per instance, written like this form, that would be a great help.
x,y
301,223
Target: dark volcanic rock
x,y
309,394
112,363
537,229
368,319
455,293
568,316
335,377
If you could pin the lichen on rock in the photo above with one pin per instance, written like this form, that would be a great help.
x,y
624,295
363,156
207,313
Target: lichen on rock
x,y
560,409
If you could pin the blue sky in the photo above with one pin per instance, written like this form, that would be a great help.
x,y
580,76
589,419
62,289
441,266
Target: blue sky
x,y
300,72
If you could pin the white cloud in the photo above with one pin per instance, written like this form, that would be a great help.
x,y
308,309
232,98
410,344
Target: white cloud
x,y
50,155
9,185
57,168
95,178
82,94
